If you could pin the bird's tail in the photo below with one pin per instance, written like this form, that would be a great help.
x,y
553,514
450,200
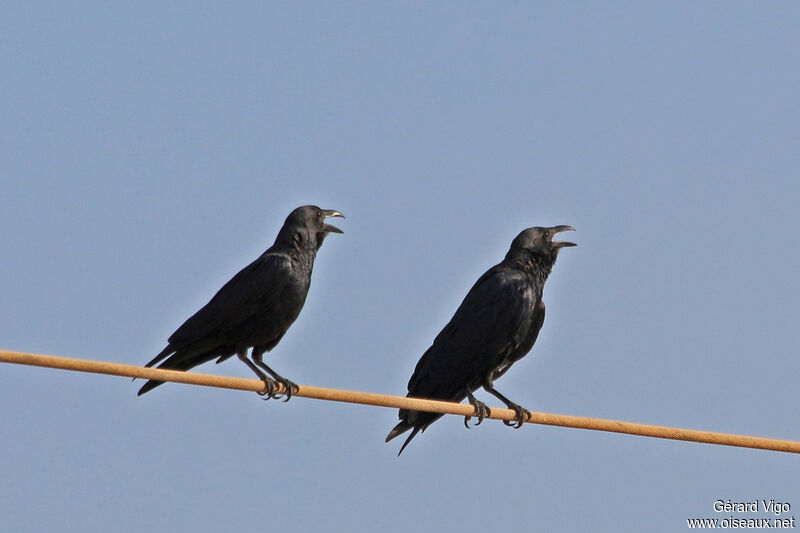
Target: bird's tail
x,y
162,355
150,385
180,360
401,428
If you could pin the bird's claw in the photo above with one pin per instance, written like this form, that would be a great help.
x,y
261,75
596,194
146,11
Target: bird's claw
x,y
269,388
481,411
290,387
521,415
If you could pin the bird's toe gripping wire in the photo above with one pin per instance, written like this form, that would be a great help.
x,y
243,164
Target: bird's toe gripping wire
x,y
522,415
481,410
270,386
290,387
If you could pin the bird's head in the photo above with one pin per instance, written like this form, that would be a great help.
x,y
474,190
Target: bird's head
x,y
309,221
314,217
539,241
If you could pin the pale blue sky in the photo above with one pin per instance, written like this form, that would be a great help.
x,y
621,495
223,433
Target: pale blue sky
x,y
148,152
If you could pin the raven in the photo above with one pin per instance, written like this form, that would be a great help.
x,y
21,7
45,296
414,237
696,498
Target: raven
x,y
256,307
494,327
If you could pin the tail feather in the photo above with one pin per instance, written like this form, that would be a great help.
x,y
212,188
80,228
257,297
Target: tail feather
x,y
162,355
150,385
417,429
180,360
401,428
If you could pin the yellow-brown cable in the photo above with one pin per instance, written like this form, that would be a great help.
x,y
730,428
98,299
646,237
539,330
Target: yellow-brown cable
x,y
383,400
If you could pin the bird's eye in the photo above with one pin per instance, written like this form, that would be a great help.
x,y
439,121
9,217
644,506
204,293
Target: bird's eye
x,y
319,213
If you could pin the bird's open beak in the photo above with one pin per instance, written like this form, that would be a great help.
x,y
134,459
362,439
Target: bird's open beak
x,y
558,229
328,213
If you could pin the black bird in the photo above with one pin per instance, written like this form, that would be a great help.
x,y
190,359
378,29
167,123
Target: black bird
x,y
495,326
256,307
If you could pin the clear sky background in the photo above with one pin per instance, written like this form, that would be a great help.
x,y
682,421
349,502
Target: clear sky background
x,y
150,151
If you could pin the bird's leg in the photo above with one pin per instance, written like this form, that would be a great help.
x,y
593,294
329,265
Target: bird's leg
x,y
481,410
522,413
291,388
269,385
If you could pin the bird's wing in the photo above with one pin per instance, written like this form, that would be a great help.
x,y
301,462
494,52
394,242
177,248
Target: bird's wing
x,y
253,290
537,320
492,319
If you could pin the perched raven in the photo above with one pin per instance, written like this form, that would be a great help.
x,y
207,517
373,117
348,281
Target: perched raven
x,y
495,326
256,307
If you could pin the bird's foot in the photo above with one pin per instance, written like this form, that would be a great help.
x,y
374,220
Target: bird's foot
x,y
269,388
290,387
522,415
481,410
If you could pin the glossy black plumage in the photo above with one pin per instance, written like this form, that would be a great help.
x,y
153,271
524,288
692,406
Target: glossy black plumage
x,y
256,307
496,325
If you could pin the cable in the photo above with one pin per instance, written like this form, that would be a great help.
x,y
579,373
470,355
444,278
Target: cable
x,y
382,400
